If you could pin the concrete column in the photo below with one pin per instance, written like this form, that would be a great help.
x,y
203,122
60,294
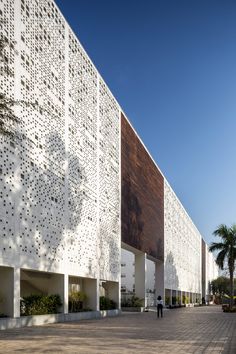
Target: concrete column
x,y
140,277
66,294
159,280
91,289
16,292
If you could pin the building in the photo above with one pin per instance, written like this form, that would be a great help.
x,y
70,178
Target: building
x,y
71,188
209,271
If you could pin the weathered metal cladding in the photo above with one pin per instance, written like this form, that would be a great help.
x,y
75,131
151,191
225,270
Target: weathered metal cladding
x,y
142,211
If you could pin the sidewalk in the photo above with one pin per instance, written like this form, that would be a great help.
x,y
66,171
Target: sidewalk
x,y
186,330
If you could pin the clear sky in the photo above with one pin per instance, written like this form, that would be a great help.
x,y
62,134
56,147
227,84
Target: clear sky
x,y
171,64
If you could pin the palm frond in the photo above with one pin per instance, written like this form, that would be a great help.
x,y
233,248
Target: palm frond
x,y
221,257
216,246
233,231
223,232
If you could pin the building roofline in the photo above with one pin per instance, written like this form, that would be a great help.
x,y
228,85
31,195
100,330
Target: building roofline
x,y
123,112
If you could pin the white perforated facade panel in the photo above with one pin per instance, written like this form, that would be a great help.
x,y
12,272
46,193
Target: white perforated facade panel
x,y
182,246
60,175
60,182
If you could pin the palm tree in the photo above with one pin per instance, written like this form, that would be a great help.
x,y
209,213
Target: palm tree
x,y
227,252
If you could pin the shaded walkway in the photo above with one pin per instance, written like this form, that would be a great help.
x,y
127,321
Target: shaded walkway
x,y
191,330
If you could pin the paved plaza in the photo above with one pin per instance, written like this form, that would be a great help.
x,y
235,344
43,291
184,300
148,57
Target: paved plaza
x,y
186,330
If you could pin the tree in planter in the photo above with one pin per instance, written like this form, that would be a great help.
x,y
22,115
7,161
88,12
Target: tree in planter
x,y
76,301
226,252
107,304
167,300
40,304
133,301
178,300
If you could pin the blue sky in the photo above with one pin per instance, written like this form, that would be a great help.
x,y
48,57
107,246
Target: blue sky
x,y
172,67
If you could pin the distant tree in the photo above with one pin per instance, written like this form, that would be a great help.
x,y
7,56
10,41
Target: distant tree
x,y
226,252
220,286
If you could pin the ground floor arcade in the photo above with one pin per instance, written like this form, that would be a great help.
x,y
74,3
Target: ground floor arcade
x,y
17,283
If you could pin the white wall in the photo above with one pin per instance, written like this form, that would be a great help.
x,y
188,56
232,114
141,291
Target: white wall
x,y
60,181
212,270
127,270
60,191
182,246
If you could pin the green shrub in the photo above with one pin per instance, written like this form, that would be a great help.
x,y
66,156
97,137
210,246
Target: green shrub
x,y
227,309
76,301
40,305
106,303
133,301
167,300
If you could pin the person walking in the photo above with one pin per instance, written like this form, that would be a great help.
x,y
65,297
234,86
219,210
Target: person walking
x,y
159,306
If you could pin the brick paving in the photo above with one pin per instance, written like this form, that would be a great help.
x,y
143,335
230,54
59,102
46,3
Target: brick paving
x,y
186,330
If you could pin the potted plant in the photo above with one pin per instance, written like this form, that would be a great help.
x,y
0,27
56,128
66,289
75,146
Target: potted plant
x,y
76,301
133,303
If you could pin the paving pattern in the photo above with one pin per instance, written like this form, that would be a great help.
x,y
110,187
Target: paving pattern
x,y
186,330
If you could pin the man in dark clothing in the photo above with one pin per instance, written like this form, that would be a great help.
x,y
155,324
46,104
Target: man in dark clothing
x,y
159,306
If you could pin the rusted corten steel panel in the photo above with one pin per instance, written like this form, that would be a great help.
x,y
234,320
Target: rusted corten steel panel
x,y
142,207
